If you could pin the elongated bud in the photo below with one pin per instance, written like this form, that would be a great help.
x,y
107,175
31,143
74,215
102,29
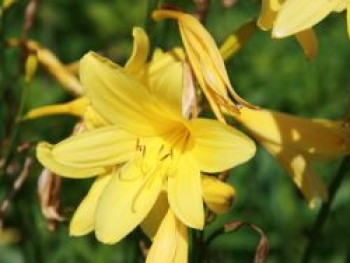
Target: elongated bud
x,y
76,108
237,40
217,195
30,67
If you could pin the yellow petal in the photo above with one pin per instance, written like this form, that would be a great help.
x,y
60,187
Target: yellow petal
x,y
219,147
171,242
166,75
181,252
319,139
100,147
76,107
44,155
298,15
117,96
137,61
83,220
308,41
183,186
303,175
217,195
205,59
154,218
93,120
341,6
125,202
267,15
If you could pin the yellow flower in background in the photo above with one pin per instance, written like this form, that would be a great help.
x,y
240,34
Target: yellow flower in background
x,y
299,15
146,133
306,37
297,143
206,62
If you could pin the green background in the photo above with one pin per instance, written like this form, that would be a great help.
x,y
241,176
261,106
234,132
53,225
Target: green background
x,y
270,73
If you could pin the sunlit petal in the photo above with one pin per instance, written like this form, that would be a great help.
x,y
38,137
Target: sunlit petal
x,y
83,220
321,139
219,147
298,15
171,242
100,147
137,61
183,186
125,202
117,96
44,155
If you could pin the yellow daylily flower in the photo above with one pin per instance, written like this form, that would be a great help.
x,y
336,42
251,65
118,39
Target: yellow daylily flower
x,y
298,15
270,12
158,147
168,233
206,62
297,143
217,195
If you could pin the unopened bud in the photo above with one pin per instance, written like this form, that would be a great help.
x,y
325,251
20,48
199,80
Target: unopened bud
x,y
217,195
30,67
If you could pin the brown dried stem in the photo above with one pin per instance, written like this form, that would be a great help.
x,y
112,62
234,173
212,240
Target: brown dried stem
x,y
17,185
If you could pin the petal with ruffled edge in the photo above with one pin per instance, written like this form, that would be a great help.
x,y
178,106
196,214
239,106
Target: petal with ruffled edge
x,y
171,242
44,155
83,220
184,185
125,202
118,97
96,148
219,147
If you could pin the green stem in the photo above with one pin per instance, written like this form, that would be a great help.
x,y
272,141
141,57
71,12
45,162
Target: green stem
x,y
324,211
3,72
17,124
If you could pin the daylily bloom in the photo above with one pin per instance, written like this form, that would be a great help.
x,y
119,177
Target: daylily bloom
x,y
306,37
298,15
206,62
297,143
168,233
156,145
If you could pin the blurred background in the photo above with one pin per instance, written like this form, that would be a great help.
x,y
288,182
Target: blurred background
x,y
269,73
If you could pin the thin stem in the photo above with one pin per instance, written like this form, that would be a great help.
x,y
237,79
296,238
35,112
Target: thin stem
x,y
344,169
17,124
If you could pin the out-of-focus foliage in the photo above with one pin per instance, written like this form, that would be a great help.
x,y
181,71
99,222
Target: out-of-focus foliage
x,y
270,73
